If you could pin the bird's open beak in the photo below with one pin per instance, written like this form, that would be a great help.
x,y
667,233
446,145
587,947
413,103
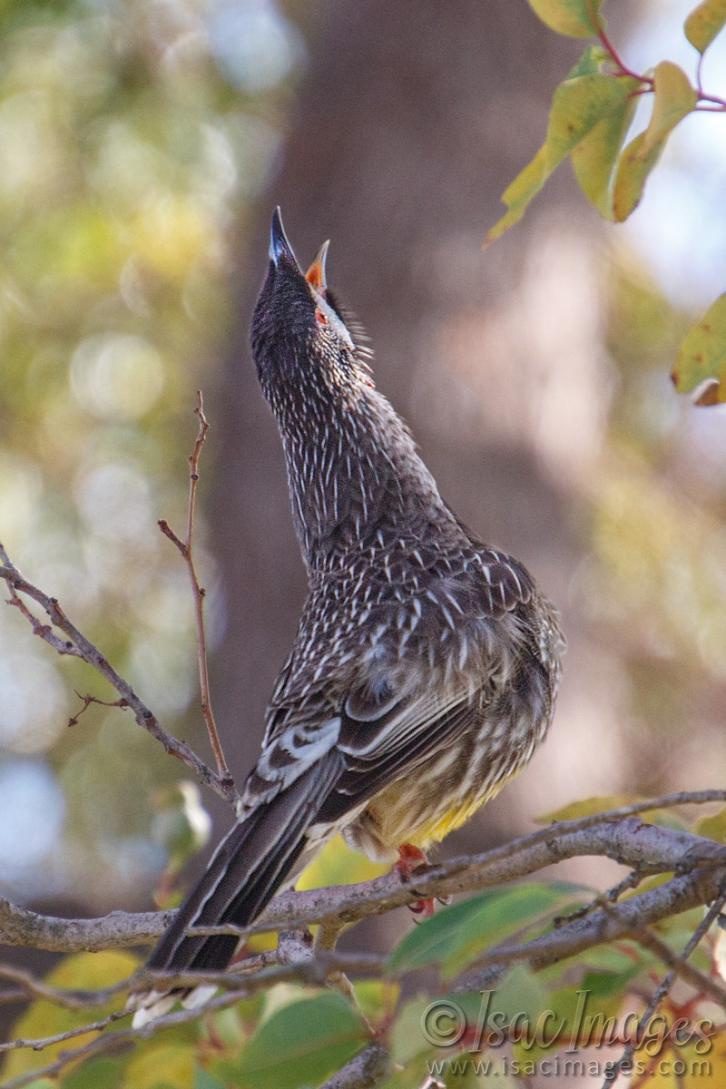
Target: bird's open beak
x,y
279,245
315,275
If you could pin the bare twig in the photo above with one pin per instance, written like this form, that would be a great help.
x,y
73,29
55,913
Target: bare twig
x,y
41,1042
234,988
87,700
43,631
625,1063
28,985
610,896
118,930
185,548
648,82
77,644
687,971
111,1040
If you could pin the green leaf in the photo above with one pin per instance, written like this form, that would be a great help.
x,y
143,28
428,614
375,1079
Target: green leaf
x,y
578,105
298,1046
97,1074
407,1036
453,937
704,23
520,996
675,98
573,18
591,61
631,175
701,362
204,1080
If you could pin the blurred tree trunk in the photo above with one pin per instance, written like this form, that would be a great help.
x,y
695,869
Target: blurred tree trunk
x,y
410,122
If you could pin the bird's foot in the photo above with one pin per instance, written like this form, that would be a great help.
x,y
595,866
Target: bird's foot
x,y
410,859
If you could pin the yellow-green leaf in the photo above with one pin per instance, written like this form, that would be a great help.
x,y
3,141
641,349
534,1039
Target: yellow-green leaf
x,y
704,23
674,99
713,827
519,193
701,362
84,971
338,864
630,177
574,18
594,158
162,1065
587,807
577,106
591,60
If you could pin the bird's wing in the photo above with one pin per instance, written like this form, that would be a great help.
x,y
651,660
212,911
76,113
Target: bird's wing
x,y
378,751
377,742
387,720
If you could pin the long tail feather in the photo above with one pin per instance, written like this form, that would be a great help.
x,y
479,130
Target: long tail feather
x,y
247,868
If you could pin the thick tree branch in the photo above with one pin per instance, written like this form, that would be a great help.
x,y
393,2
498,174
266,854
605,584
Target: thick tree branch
x,y
647,848
364,1071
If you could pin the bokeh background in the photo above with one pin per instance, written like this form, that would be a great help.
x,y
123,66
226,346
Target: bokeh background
x,y
143,145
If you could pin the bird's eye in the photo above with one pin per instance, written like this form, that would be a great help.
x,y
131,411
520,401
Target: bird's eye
x,y
320,317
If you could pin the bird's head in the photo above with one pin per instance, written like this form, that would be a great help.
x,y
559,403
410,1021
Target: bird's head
x,y
300,337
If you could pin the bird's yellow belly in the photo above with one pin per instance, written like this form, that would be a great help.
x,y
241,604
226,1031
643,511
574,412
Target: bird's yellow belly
x,y
396,817
439,826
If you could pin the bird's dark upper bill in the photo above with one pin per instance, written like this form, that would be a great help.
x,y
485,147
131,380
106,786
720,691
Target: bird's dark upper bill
x,y
279,245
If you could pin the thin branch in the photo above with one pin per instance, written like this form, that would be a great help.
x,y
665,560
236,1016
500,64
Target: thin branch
x,y
41,1042
186,549
625,1063
624,920
310,972
77,644
43,631
622,67
648,82
704,984
87,700
69,999
119,930
610,896
111,1040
